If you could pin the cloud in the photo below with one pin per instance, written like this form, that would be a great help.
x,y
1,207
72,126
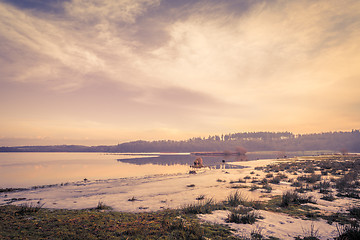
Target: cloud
x,y
107,11
182,65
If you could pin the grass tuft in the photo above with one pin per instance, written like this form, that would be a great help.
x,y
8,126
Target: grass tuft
x,y
29,208
202,207
235,199
102,206
247,218
291,197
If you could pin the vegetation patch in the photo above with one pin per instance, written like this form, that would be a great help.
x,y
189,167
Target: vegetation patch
x,y
290,197
202,207
102,206
93,224
244,218
235,199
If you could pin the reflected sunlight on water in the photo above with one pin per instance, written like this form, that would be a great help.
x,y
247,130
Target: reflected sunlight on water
x,y
30,169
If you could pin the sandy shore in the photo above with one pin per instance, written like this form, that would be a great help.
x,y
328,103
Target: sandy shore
x,y
174,191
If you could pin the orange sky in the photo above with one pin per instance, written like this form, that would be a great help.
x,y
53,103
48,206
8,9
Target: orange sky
x,y
103,72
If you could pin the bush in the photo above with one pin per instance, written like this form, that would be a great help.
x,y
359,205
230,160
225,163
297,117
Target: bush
x,y
103,206
322,185
248,218
355,212
269,175
348,232
313,178
235,199
275,180
297,184
202,207
282,176
328,197
29,208
267,188
253,187
290,197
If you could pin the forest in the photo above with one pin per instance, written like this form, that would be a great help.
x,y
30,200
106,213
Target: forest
x,y
250,141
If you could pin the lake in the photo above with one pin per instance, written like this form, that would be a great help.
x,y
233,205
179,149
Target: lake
x,y
32,169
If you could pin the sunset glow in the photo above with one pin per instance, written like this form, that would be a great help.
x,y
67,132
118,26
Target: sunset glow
x,y
103,72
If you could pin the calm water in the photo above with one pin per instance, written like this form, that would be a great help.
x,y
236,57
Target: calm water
x,y
32,169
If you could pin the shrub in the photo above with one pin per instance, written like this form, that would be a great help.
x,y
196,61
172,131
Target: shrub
x,y
264,181
310,169
313,178
282,176
254,187
132,199
202,207
103,206
200,197
355,212
255,204
235,199
29,208
248,218
322,185
297,184
275,180
348,232
328,197
269,175
290,197
310,234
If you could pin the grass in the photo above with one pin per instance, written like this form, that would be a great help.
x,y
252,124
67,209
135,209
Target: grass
x,y
34,222
200,197
133,199
355,212
202,207
247,218
235,199
93,224
275,180
102,206
348,232
310,234
29,208
328,197
291,197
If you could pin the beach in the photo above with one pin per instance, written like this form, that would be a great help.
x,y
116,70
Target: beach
x,y
176,191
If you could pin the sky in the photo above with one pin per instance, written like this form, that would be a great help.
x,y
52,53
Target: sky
x,y
104,72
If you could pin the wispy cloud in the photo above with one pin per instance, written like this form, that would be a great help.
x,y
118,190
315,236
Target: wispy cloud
x,y
184,66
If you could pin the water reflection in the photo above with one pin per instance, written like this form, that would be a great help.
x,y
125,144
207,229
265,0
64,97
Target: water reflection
x,y
30,169
188,159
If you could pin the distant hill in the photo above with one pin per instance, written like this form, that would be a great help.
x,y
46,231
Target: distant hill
x,y
251,141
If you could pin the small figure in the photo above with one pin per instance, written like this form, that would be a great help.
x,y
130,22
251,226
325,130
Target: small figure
x,y
223,164
198,163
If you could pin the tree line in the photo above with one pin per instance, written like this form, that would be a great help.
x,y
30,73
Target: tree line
x,y
251,141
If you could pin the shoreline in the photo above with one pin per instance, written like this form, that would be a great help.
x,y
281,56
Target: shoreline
x,y
156,193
